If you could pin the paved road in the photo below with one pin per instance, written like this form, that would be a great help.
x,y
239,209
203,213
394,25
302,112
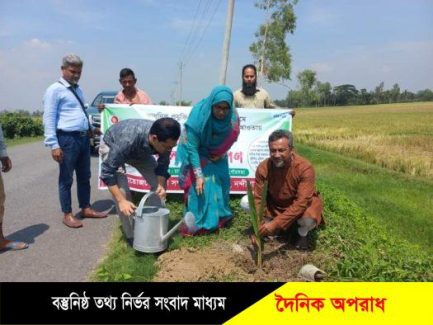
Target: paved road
x,y
56,253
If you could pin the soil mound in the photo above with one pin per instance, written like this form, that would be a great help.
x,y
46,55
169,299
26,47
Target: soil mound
x,y
225,261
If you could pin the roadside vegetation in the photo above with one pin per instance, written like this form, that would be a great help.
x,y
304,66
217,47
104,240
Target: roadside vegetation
x,y
20,127
22,140
379,219
17,125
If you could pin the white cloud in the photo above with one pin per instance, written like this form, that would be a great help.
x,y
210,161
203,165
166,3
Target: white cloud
x,y
2,59
73,12
409,64
320,67
37,44
34,62
406,63
150,3
185,25
412,47
5,31
319,15
385,69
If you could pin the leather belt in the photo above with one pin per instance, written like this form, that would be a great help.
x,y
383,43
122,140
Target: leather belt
x,y
74,133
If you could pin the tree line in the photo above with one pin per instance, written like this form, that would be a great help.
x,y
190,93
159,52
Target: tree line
x,y
312,92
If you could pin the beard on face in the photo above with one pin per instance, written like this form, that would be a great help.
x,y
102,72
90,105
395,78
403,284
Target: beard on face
x,y
249,89
278,163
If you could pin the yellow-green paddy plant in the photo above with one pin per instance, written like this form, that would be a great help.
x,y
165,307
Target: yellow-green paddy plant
x,y
395,136
256,219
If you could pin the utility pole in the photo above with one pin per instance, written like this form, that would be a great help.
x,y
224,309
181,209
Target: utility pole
x,y
181,65
172,97
262,59
226,45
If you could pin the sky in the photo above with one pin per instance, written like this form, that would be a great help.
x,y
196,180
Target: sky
x,y
345,41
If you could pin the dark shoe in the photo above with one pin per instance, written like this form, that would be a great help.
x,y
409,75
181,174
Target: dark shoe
x,y
72,222
303,244
90,213
10,245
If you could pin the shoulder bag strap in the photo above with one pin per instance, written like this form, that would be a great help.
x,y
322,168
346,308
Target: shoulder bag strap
x,y
81,104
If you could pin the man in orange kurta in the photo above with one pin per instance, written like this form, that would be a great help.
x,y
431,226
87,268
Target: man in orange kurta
x,y
291,190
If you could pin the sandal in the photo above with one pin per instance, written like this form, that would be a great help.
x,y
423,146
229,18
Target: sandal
x,y
14,246
185,232
223,222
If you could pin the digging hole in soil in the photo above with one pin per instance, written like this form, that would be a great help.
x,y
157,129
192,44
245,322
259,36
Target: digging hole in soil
x,y
223,261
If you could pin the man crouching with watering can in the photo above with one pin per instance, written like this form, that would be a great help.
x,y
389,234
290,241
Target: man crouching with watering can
x,y
134,142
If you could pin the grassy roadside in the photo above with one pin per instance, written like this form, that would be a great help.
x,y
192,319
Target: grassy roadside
x,y
23,140
402,203
379,226
356,246
378,222
123,263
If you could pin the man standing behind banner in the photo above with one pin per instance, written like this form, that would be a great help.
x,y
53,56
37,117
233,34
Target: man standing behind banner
x,y
134,142
250,96
130,94
291,190
67,134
